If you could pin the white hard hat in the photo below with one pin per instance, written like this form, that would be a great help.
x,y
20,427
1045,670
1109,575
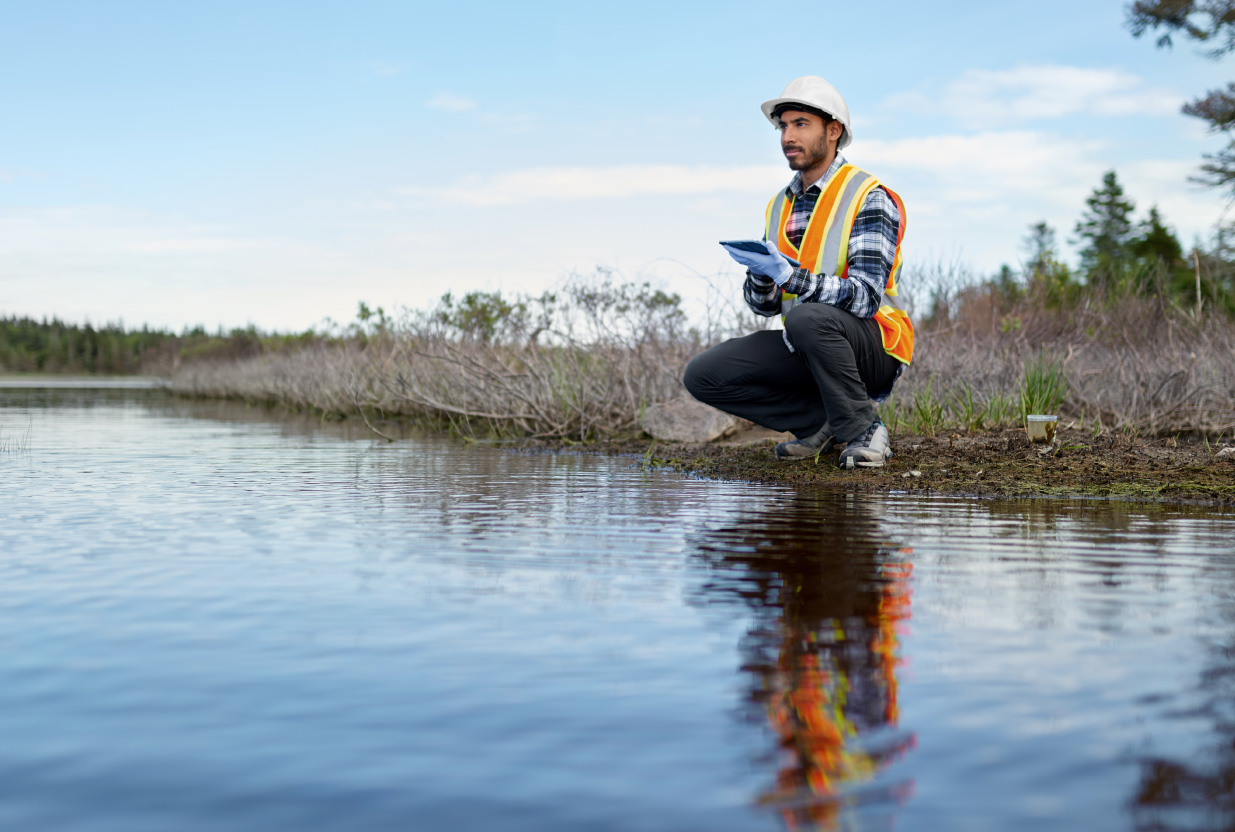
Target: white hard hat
x,y
813,91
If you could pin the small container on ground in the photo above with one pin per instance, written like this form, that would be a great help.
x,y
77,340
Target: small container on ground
x,y
1041,428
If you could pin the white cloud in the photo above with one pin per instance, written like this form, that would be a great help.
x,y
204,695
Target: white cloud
x,y
568,184
1001,164
981,97
101,229
102,262
189,245
1189,208
453,103
976,194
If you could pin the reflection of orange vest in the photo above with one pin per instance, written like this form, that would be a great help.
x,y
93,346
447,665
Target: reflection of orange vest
x,y
812,696
825,246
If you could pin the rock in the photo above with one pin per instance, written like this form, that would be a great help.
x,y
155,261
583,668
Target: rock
x,y
685,420
909,474
1225,452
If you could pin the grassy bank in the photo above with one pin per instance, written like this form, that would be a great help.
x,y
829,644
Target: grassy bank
x,y
987,463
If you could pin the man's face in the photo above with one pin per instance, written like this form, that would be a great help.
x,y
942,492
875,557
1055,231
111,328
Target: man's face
x,y
804,138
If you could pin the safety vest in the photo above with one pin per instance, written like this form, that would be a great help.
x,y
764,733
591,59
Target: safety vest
x,y
825,247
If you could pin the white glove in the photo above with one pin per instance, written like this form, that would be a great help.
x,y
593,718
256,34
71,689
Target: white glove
x,y
773,264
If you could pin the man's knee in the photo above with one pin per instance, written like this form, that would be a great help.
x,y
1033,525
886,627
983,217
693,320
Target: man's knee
x,y
696,379
809,319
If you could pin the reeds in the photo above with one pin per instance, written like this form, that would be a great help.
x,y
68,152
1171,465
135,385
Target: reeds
x,y
15,443
1042,388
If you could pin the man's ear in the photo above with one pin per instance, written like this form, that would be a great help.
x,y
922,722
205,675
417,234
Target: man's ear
x,y
835,128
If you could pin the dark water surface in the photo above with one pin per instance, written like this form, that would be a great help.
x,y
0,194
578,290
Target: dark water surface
x,y
213,620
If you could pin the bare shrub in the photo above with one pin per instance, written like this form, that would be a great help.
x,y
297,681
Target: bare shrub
x,y
583,362
578,364
1131,358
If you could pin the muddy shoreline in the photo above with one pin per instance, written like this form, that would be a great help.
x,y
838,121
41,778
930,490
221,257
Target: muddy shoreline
x,y
990,464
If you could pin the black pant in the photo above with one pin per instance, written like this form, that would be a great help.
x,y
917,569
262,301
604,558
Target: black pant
x,y
837,365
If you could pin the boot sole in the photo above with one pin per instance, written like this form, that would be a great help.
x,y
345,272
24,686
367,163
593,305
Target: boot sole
x,y
849,463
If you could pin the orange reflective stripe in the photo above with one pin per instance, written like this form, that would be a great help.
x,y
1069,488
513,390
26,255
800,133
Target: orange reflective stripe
x,y
823,216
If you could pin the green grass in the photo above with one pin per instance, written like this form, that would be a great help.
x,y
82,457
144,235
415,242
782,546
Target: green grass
x,y
927,413
967,410
999,410
1043,388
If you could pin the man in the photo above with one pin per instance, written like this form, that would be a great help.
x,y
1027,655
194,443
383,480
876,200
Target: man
x,y
842,343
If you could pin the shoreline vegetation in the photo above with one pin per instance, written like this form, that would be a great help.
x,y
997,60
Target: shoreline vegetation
x,y
1135,354
1144,386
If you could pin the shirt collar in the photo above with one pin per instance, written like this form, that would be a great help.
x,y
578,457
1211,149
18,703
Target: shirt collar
x,y
795,184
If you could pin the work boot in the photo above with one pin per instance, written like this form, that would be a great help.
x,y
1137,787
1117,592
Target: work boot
x,y
870,450
818,443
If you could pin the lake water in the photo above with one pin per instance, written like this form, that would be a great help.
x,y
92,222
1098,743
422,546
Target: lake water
x,y
212,618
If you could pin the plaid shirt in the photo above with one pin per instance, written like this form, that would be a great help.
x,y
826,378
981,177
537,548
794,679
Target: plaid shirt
x,y
872,247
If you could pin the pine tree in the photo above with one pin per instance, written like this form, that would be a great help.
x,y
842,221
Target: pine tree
x,y
1039,244
1156,243
1048,279
1106,226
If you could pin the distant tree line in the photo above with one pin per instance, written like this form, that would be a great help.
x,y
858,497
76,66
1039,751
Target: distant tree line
x,y
28,345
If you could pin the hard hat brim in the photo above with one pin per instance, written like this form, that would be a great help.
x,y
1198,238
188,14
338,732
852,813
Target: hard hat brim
x,y
769,107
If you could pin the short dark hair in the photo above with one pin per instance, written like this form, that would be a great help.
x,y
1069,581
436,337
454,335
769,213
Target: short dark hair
x,y
801,108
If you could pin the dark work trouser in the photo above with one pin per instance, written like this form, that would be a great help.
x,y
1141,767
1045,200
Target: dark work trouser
x,y
837,365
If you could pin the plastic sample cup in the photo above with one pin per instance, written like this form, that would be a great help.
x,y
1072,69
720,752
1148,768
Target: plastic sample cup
x,y
1041,428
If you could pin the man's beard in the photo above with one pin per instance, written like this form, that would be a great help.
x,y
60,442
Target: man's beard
x,y
810,156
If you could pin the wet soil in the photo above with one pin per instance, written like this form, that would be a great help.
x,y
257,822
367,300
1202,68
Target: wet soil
x,y
990,464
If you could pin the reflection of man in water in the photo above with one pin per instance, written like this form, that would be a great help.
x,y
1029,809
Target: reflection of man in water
x,y
829,602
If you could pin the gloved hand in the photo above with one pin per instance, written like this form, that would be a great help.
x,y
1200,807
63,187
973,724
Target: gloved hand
x,y
773,264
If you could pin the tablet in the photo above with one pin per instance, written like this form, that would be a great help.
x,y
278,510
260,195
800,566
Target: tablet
x,y
756,246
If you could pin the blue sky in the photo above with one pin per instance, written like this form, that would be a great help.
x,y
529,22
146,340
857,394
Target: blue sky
x,y
274,163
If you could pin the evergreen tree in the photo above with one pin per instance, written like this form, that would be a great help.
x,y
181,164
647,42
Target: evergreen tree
x,y
1039,244
1048,279
1106,226
1156,243
1212,23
